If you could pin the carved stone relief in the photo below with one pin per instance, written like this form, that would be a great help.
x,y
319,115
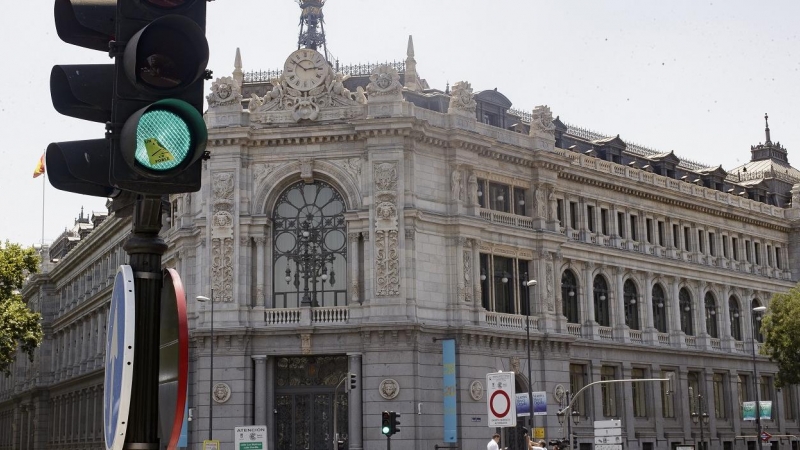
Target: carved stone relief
x,y
384,84
461,100
222,235
386,230
352,166
542,122
455,184
389,388
468,276
224,91
549,282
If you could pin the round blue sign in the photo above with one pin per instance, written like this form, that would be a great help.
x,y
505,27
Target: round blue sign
x,y
119,359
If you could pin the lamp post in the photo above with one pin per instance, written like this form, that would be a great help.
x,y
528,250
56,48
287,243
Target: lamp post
x,y
701,416
758,310
529,284
574,414
203,299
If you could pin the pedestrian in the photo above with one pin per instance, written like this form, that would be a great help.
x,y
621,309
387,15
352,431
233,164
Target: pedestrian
x,y
543,444
493,444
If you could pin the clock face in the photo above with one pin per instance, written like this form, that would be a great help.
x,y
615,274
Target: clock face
x,y
305,69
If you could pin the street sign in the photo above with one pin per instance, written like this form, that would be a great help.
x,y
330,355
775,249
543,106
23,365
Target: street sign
x,y
765,436
608,439
608,432
613,423
608,447
499,399
119,359
210,445
250,438
173,369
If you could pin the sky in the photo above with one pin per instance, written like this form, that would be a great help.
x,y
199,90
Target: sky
x,y
691,76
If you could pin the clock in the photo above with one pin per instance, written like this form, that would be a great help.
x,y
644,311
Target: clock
x,y
305,69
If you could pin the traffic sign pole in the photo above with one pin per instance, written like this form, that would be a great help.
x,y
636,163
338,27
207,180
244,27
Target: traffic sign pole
x,y
144,250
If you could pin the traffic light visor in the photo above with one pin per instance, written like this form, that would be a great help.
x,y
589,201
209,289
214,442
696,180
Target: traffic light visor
x,y
167,55
164,137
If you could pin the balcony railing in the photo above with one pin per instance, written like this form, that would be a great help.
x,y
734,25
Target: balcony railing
x,y
691,341
663,338
511,321
294,316
504,218
606,333
636,336
574,329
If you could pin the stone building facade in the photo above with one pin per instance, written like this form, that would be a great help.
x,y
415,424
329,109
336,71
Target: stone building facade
x,y
349,225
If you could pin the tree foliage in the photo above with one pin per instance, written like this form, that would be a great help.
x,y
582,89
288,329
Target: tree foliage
x,y
781,329
19,326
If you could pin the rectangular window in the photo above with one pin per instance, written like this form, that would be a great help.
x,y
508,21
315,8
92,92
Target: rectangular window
x,y
621,224
573,215
693,380
765,387
701,243
519,201
577,380
499,199
789,401
724,246
560,210
687,239
719,395
757,253
604,221
661,235
609,391
742,388
747,254
639,394
676,236
735,244
712,244
778,257
667,403
769,255
634,235
649,230
590,218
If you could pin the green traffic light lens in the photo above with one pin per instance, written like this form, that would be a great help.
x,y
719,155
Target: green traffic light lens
x,y
385,430
163,140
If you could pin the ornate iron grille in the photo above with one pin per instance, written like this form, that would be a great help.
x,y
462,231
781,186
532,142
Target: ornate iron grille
x,y
310,247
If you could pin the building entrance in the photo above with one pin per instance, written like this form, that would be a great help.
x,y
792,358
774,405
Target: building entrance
x,y
311,402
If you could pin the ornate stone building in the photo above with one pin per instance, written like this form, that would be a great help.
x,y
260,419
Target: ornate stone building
x,y
352,218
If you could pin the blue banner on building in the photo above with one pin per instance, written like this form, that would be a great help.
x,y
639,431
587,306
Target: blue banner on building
x,y
449,390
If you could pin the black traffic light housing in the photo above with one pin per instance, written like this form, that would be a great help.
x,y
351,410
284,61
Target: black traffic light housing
x,y
84,92
150,99
386,423
158,96
352,381
394,422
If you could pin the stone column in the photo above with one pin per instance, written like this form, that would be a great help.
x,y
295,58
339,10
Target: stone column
x,y
354,425
650,334
707,386
733,410
596,401
260,391
587,301
658,408
270,401
682,407
676,335
260,293
629,423
353,261
618,311
724,311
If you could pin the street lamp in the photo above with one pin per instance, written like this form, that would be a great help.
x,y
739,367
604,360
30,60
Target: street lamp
x,y
758,310
529,284
203,299
701,415
562,416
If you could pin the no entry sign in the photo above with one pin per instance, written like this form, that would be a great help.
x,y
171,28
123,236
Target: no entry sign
x,y
499,399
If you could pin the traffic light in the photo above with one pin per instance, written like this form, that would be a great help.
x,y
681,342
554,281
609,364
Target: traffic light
x,y
84,92
150,99
393,425
386,423
159,132
353,381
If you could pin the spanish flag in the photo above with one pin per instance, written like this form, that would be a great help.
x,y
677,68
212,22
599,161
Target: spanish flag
x,y
39,170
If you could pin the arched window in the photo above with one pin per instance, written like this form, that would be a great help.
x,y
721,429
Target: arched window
x,y
736,320
711,315
569,296
310,247
659,309
631,297
601,315
685,304
756,320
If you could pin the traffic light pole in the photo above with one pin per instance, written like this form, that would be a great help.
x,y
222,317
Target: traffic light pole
x,y
144,250
388,443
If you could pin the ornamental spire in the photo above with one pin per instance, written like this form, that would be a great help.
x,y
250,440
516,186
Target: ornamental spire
x,y
766,120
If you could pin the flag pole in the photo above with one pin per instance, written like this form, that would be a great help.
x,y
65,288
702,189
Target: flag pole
x,y
44,184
